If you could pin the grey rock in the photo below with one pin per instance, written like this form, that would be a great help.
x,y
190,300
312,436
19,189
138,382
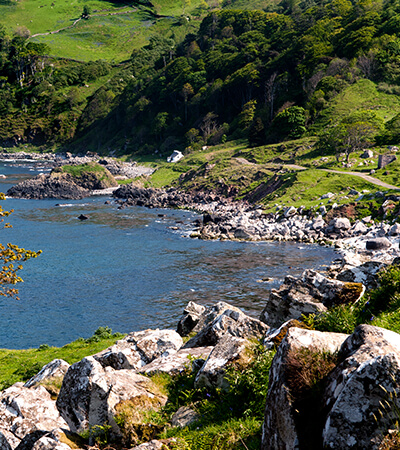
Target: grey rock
x,y
384,160
290,211
365,273
223,319
53,370
24,411
339,224
367,154
140,348
48,443
395,230
311,293
228,350
358,386
178,362
327,195
184,417
90,393
279,429
152,445
241,233
190,318
379,243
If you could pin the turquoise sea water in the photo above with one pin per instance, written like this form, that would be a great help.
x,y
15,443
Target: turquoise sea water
x,y
127,269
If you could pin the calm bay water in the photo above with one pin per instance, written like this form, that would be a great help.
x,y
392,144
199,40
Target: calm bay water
x,y
127,269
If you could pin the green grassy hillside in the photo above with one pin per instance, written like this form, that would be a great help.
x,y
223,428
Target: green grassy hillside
x,y
111,32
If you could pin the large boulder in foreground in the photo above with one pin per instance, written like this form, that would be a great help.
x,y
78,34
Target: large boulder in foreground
x,y
90,394
367,377
27,413
311,293
140,348
222,319
356,399
229,350
279,429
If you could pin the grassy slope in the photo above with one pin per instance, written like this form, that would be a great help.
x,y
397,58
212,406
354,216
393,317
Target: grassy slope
x,y
105,35
226,163
361,95
20,365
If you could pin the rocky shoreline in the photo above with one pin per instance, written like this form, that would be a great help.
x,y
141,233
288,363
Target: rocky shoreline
x,y
219,335
226,219
222,218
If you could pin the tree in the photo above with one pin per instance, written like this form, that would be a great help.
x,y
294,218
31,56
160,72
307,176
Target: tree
x,y
11,256
353,133
86,12
290,123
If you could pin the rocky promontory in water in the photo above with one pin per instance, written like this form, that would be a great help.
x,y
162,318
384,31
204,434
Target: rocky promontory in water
x,y
72,177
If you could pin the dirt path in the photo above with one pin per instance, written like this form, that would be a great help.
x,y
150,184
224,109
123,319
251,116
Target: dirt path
x,y
366,178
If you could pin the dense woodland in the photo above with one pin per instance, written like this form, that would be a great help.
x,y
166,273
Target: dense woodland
x,y
266,75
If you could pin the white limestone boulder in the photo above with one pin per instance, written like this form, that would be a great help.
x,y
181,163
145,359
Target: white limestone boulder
x,y
55,369
224,319
49,443
140,348
178,362
359,386
25,412
190,318
279,428
230,349
310,293
90,394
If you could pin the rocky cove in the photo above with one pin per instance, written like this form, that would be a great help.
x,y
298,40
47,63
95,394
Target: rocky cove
x,y
94,390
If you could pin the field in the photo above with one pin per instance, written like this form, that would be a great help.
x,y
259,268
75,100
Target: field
x,y
111,32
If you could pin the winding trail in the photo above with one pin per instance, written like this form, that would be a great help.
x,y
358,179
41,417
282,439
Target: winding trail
x,y
366,178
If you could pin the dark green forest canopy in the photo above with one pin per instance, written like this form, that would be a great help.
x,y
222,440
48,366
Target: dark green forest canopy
x,y
265,75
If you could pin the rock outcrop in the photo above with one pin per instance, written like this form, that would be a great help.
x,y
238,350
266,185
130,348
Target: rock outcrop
x,y
230,349
54,370
311,293
357,389
222,319
90,394
140,348
61,184
359,393
279,428
27,413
